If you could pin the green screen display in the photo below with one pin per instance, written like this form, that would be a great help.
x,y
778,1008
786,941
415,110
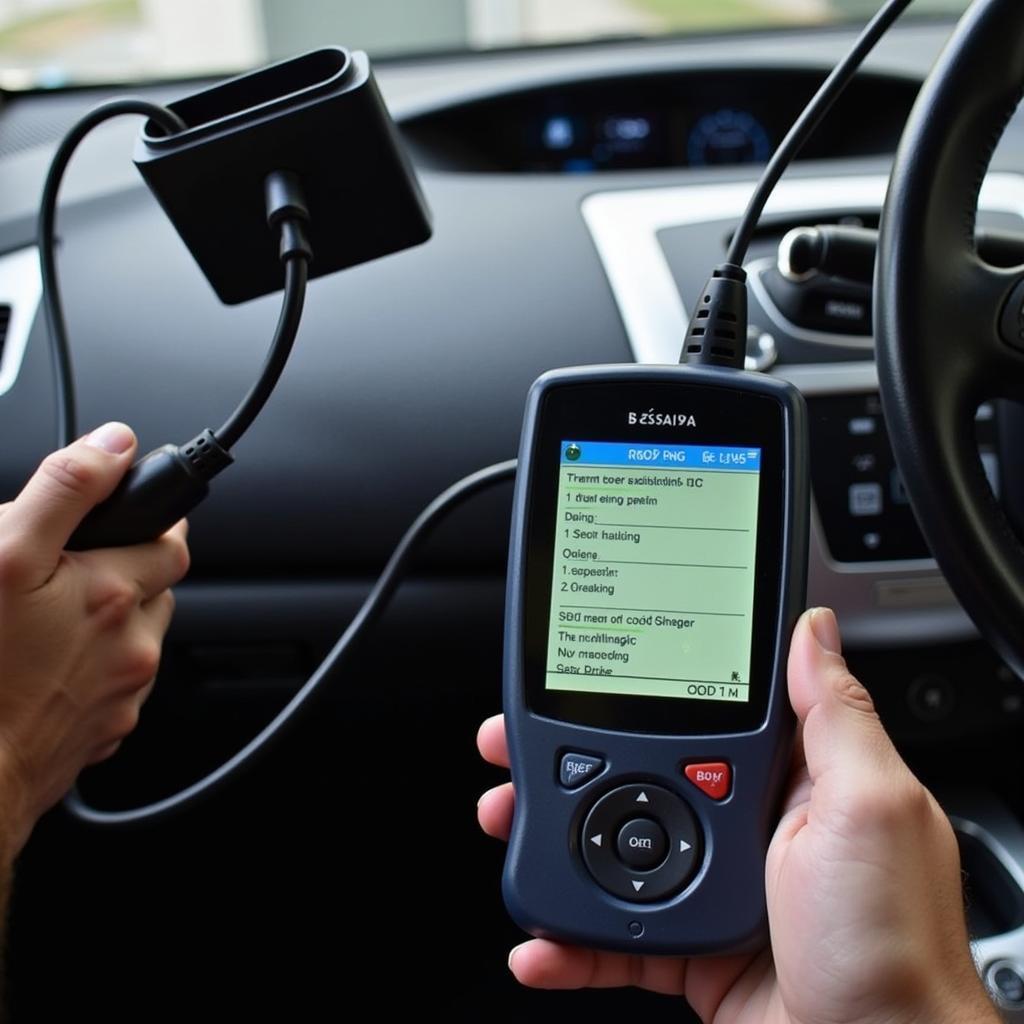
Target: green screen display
x,y
653,583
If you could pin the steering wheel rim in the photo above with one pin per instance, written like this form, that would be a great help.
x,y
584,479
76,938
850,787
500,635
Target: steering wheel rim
x,y
941,314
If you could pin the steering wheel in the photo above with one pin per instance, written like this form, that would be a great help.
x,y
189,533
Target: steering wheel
x,y
949,327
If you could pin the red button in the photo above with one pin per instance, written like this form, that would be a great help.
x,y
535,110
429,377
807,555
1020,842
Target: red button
x,y
713,779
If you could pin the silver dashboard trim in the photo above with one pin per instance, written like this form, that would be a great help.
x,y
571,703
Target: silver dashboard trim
x,y
21,288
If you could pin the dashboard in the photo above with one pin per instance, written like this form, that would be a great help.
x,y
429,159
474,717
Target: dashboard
x,y
580,196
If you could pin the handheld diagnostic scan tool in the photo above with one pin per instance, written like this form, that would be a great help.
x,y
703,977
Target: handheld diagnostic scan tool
x,y
658,565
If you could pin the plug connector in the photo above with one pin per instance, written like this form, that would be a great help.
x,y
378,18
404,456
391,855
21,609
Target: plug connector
x,y
161,488
288,212
717,335
204,455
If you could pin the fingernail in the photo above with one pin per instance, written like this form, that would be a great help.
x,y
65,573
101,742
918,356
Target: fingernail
x,y
115,438
826,630
512,954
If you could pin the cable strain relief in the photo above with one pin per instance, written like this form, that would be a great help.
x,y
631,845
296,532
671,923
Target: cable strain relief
x,y
205,456
295,241
288,212
730,271
717,335
285,198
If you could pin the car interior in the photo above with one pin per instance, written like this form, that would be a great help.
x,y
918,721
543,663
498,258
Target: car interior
x,y
584,176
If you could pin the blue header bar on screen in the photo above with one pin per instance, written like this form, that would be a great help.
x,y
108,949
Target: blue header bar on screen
x,y
710,458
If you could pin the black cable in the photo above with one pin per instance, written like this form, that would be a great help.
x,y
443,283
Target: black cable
x,y
67,428
717,332
286,211
296,275
807,122
370,610
296,260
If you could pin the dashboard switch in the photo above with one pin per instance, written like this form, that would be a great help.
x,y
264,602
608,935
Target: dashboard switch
x,y
862,426
931,698
865,499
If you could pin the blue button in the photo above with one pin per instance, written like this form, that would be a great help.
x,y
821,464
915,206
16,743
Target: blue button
x,y
577,769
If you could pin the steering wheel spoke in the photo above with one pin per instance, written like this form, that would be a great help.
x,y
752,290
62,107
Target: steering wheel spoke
x,y
991,301
1007,287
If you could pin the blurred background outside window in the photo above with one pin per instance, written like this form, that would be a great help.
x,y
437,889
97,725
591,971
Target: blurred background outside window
x,y
61,42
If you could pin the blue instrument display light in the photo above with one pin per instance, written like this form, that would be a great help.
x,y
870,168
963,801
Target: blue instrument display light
x,y
728,136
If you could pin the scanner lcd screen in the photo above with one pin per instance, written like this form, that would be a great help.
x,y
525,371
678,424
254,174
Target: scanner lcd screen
x,y
653,581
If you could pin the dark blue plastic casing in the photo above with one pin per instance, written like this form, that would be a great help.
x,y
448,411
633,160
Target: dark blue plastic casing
x,y
547,889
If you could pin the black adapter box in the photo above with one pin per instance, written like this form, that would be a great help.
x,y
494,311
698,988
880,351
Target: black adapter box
x,y
320,116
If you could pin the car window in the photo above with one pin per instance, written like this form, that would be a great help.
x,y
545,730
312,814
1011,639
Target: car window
x,y
62,42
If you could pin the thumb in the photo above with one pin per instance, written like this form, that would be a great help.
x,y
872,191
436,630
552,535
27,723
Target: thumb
x,y
842,733
68,483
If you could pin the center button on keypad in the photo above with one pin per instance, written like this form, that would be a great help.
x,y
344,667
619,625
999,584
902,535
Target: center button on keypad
x,y
642,844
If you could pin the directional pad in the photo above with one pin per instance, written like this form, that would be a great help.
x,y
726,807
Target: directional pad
x,y
641,843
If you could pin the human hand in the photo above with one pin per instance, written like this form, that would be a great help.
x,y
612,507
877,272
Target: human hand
x,y
80,632
862,880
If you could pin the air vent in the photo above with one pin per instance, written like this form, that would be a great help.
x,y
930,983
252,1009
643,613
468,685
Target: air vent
x,y
21,289
5,322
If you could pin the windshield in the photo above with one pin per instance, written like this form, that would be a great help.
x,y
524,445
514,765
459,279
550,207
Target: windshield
x,y
65,42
